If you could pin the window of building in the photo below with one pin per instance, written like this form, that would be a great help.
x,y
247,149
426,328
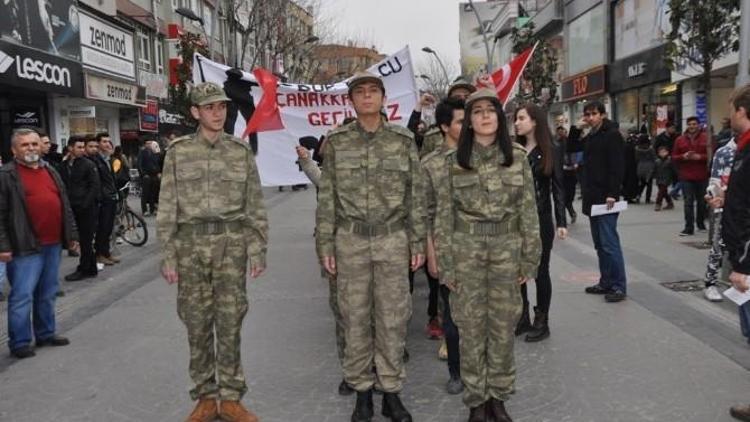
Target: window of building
x,y
159,57
586,41
144,51
195,7
175,4
208,19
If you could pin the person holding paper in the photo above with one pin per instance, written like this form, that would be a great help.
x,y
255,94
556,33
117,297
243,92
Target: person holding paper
x,y
603,154
736,216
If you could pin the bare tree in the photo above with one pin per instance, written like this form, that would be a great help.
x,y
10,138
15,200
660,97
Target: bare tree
x,y
433,76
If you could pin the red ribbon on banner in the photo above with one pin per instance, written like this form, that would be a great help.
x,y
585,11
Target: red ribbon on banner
x,y
266,116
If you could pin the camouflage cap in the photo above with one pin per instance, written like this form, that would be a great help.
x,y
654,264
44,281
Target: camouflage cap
x,y
207,93
461,83
482,94
362,77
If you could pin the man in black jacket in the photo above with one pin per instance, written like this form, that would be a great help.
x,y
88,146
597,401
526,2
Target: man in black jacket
x,y
149,167
99,154
736,216
82,181
36,223
604,172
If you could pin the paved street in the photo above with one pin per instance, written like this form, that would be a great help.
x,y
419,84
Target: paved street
x,y
659,356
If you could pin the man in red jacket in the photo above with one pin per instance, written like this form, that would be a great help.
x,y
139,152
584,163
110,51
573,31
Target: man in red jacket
x,y
690,154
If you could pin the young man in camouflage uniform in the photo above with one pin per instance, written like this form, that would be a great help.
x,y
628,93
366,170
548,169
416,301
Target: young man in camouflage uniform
x,y
212,226
370,221
433,138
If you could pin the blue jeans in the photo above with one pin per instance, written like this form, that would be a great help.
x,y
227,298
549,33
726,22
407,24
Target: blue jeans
x,y
744,312
607,245
33,287
2,275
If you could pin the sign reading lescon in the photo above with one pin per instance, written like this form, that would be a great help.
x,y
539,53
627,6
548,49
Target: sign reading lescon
x,y
106,48
104,89
30,69
584,84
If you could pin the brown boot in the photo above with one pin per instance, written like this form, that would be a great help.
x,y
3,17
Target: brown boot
x,y
104,260
205,411
114,259
740,412
234,411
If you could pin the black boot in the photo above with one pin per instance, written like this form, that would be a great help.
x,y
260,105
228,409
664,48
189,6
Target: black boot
x,y
363,410
541,327
478,414
496,409
524,324
394,409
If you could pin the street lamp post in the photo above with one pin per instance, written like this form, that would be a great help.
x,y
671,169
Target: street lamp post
x,y
428,50
484,37
190,15
743,71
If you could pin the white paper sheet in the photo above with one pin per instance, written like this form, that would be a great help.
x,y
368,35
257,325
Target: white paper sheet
x,y
735,296
602,209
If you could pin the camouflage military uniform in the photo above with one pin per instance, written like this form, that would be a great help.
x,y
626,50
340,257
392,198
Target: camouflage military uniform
x,y
432,140
371,218
486,236
211,221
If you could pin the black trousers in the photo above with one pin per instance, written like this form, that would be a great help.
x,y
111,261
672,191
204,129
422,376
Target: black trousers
x,y
570,180
543,280
647,184
695,205
451,334
107,209
149,193
86,219
434,285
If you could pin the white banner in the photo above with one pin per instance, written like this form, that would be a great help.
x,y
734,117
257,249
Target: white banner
x,y
306,110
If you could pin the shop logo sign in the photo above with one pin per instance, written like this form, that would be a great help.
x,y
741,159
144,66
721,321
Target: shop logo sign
x,y
36,70
6,61
28,118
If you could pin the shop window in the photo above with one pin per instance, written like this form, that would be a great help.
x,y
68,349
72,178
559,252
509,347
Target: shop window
x,y
159,57
586,42
144,52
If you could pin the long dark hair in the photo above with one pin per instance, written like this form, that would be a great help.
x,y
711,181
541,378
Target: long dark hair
x,y
466,138
541,134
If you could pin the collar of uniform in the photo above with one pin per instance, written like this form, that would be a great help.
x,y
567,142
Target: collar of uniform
x,y
208,143
368,135
485,151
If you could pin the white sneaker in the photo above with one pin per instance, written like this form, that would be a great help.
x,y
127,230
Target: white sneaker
x,y
712,294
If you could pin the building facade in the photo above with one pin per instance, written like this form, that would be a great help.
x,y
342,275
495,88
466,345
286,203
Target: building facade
x,y
335,62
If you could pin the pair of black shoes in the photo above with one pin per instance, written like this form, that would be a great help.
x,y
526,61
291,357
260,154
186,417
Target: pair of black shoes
x,y
609,294
78,276
491,410
537,331
392,408
27,351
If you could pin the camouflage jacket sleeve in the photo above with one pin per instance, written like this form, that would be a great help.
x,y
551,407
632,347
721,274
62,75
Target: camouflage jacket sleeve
x,y
166,219
429,189
256,221
311,170
531,244
416,202
326,213
443,227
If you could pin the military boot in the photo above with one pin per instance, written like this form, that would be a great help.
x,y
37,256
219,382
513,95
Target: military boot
x,y
234,411
478,414
541,327
205,411
496,409
524,324
394,409
363,409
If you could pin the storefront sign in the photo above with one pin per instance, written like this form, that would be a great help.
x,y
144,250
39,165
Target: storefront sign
x,y
106,48
26,68
584,84
103,89
645,68
82,112
49,26
701,110
156,85
26,116
148,117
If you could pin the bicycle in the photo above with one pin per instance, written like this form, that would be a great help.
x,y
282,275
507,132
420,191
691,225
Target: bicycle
x,y
129,226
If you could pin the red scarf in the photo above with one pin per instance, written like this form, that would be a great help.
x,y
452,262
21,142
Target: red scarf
x,y
743,141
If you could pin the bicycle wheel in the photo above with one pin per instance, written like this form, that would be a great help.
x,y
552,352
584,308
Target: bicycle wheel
x,y
134,229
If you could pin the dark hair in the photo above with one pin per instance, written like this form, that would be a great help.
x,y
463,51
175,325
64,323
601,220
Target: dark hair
x,y
117,153
348,120
541,134
560,128
741,98
595,105
502,138
444,111
671,124
101,135
89,139
75,139
692,118
42,133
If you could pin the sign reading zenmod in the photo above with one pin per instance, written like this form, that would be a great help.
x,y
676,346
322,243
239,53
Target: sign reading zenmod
x,y
106,48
